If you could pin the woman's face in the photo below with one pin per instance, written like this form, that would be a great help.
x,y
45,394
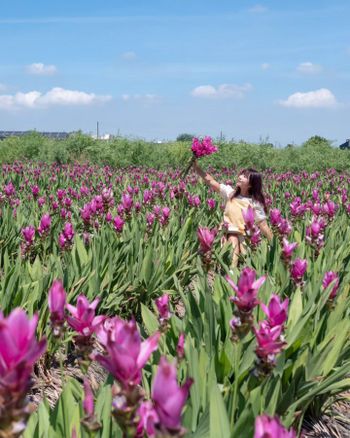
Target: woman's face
x,y
243,182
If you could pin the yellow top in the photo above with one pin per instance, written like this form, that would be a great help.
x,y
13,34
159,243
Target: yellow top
x,y
233,216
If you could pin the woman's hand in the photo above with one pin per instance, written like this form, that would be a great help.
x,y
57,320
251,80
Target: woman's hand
x,y
195,166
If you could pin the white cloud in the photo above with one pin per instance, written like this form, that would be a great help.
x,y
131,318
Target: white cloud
x,y
54,97
265,66
257,9
309,68
129,56
224,91
322,98
41,69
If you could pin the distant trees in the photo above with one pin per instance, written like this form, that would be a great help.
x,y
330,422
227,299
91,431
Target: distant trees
x,y
185,137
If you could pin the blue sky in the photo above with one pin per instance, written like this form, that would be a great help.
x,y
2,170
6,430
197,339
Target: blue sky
x,y
154,69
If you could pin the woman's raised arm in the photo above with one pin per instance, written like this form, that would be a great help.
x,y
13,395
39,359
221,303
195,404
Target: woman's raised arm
x,y
208,179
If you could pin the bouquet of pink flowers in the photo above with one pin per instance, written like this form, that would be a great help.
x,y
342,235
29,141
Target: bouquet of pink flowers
x,y
203,148
200,148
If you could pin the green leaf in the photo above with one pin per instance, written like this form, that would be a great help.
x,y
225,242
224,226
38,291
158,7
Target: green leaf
x,y
219,422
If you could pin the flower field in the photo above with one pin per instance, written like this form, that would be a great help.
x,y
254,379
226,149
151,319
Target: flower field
x,y
122,271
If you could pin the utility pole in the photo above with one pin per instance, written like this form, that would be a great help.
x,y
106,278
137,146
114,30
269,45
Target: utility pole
x,y
97,131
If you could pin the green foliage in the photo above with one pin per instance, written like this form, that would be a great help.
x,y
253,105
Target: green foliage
x,y
127,271
316,153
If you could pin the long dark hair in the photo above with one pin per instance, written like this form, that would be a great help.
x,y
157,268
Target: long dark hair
x,y
255,186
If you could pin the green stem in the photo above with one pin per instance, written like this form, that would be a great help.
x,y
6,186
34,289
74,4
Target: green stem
x,y
237,356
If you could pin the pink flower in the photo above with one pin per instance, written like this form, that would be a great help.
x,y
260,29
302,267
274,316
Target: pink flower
x,y
57,302
88,402
62,241
246,290
45,224
118,224
9,189
298,269
269,427
211,203
206,238
19,350
248,217
28,234
127,202
170,402
284,227
126,354
148,419
165,215
68,231
268,339
330,208
331,278
150,218
275,217
255,238
162,304
276,311
35,191
180,348
288,248
83,319
203,148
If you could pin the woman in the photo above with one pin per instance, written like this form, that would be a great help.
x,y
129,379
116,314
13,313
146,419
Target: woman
x,y
247,193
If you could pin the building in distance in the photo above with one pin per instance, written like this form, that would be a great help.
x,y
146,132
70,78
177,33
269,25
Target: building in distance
x,y
54,135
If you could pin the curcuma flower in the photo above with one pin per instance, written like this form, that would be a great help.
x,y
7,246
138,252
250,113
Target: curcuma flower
x,y
126,354
275,217
148,419
28,234
271,427
276,311
269,343
89,421
206,239
83,319
170,402
328,279
245,300
203,148
57,302
162,304
248,217
287,250
19,350
246,290
45,224
297,270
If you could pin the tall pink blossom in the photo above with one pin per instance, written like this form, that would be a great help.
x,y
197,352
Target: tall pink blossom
x,y
57,302
329,278
148,419
83,319
246,289
169,403
19,350
271,427
162,304
248,217
125,354
276,311
288,249
206,239
298,269
28,234
268,339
